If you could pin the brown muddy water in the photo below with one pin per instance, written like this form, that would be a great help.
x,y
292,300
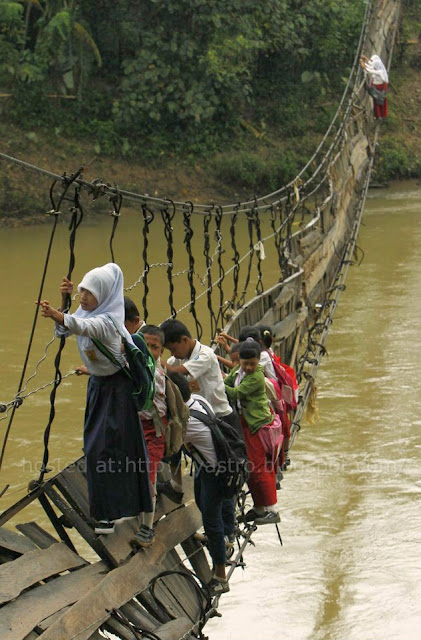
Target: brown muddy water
x,y
350,566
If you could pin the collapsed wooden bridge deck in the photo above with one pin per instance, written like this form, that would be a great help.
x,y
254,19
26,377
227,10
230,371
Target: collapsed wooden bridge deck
x,y
48,590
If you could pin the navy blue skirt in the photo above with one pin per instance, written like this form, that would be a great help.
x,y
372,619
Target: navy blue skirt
x,y
115,450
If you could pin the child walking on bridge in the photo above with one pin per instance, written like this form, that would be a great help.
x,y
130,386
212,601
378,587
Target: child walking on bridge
x,y
114,446
245,386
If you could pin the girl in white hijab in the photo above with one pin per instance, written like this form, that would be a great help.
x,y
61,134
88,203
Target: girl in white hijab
x,y
378,81
114,446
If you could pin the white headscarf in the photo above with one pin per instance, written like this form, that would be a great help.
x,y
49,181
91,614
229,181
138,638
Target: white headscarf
x,y
106,284
377,70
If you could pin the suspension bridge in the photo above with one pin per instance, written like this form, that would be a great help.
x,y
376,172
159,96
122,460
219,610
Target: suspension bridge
x,y
309,230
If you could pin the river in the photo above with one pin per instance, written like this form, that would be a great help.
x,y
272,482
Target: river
x,y
350,567
351,524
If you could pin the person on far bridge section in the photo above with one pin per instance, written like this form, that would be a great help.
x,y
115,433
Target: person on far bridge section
x,y
377,84
114,446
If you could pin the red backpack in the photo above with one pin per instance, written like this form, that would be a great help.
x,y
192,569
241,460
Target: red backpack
x,y
287,382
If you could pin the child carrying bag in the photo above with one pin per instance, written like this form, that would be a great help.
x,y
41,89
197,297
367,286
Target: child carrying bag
x,y
230,450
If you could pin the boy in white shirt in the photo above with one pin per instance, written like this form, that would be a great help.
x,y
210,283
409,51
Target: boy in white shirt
x,y
208,486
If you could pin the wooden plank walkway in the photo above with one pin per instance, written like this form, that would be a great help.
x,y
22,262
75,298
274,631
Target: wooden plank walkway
x,y
49,591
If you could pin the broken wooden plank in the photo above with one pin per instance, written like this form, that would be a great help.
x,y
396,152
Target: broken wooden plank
x,y
37,534
15,542
197,559
18,618
85,530
139,616
122,584
55,521
34,566
73,485
174,629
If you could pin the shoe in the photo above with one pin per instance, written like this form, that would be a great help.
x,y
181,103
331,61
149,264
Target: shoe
x,y
217,586
201,537
167,489
287,460
145,537
229,540
124,519
269,517
104,527
249,516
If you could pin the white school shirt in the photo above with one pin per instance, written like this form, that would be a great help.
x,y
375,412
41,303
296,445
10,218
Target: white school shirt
x,y
101,328
159,400
199,434
205,377
266,361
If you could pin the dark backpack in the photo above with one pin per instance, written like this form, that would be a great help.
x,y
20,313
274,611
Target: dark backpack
x,y
378,95
230,450
140,370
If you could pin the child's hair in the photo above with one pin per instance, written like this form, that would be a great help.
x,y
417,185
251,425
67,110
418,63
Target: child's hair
x,y
236,347
182,383
266,335
249,332
153,330
249,349
131,312
174,330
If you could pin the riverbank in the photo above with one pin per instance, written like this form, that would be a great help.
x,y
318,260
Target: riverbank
x,y
257,162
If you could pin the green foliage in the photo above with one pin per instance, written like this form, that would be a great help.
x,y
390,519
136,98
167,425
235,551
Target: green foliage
x,y
248,170
394,161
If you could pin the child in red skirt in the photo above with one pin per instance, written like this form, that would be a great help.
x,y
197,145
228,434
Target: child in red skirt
x,y
245,386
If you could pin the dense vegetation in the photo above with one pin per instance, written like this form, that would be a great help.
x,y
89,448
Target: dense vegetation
x,y
157,73
154,79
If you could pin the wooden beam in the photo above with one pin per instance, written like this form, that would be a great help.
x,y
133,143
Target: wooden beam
x,y
12,541
34,532
18,618
122,584
174,629
34,566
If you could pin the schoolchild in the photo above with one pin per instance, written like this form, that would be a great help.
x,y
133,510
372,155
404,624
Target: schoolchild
x,y
153,422
245,385
378,81
267,339
234,357
115,450
264,360
251,332
200,365
208,487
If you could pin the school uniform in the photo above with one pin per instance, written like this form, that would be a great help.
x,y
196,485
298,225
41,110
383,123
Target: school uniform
x,y
154,422
217,512
205,377
379,79
114,446
249,392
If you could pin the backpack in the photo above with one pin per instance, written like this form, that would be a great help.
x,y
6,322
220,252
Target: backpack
x,y
230,450
178,416
378,95
140,369
285,376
